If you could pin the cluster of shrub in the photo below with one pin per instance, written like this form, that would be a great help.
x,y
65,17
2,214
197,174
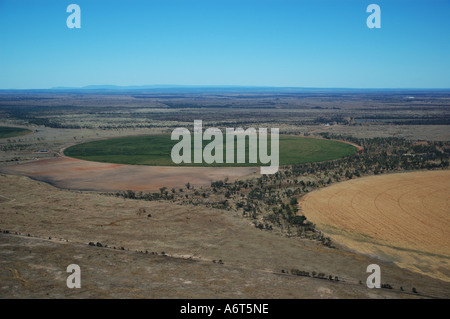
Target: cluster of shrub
x,y
313,274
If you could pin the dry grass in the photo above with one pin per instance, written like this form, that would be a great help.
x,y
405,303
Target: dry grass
x,y
192,237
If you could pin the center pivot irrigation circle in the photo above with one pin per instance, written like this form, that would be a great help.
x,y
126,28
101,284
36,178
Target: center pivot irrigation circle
x,y
155,150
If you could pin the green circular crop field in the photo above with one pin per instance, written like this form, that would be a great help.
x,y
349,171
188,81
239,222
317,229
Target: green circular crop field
x,y
155,150
7,131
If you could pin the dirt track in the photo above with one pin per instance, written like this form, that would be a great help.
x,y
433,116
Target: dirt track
x,y
70,173
403,218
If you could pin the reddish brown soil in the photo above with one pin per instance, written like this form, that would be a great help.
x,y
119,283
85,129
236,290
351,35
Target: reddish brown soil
x,y
70,173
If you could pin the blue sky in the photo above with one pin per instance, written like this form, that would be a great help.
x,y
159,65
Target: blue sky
x,y
298,43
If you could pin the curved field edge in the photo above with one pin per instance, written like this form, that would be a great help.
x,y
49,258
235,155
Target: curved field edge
x,y
401,218
9,131
155,150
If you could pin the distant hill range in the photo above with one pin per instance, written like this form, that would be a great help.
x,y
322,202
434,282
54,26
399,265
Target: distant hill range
x,y
191,88
117,87
175,87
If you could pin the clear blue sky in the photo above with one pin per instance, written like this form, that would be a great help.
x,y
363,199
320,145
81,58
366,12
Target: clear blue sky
x,y
298,43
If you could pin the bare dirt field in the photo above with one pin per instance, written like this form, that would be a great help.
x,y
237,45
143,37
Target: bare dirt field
x,y
404,218
70,173
207,252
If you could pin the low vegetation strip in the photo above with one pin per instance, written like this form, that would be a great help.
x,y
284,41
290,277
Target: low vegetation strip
x,y
155,150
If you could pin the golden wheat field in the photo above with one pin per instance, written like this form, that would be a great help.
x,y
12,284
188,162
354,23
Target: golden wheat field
x,y
403,218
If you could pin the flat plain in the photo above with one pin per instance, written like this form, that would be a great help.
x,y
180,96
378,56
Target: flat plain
x,y
227,232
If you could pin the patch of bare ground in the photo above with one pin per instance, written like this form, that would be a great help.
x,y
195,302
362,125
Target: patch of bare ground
x,y
70,173
207,252
403,218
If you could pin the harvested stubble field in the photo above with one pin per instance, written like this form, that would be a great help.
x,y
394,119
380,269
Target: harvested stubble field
x,y
404,218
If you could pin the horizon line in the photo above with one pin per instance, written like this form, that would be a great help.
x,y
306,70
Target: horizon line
x,y
112,87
